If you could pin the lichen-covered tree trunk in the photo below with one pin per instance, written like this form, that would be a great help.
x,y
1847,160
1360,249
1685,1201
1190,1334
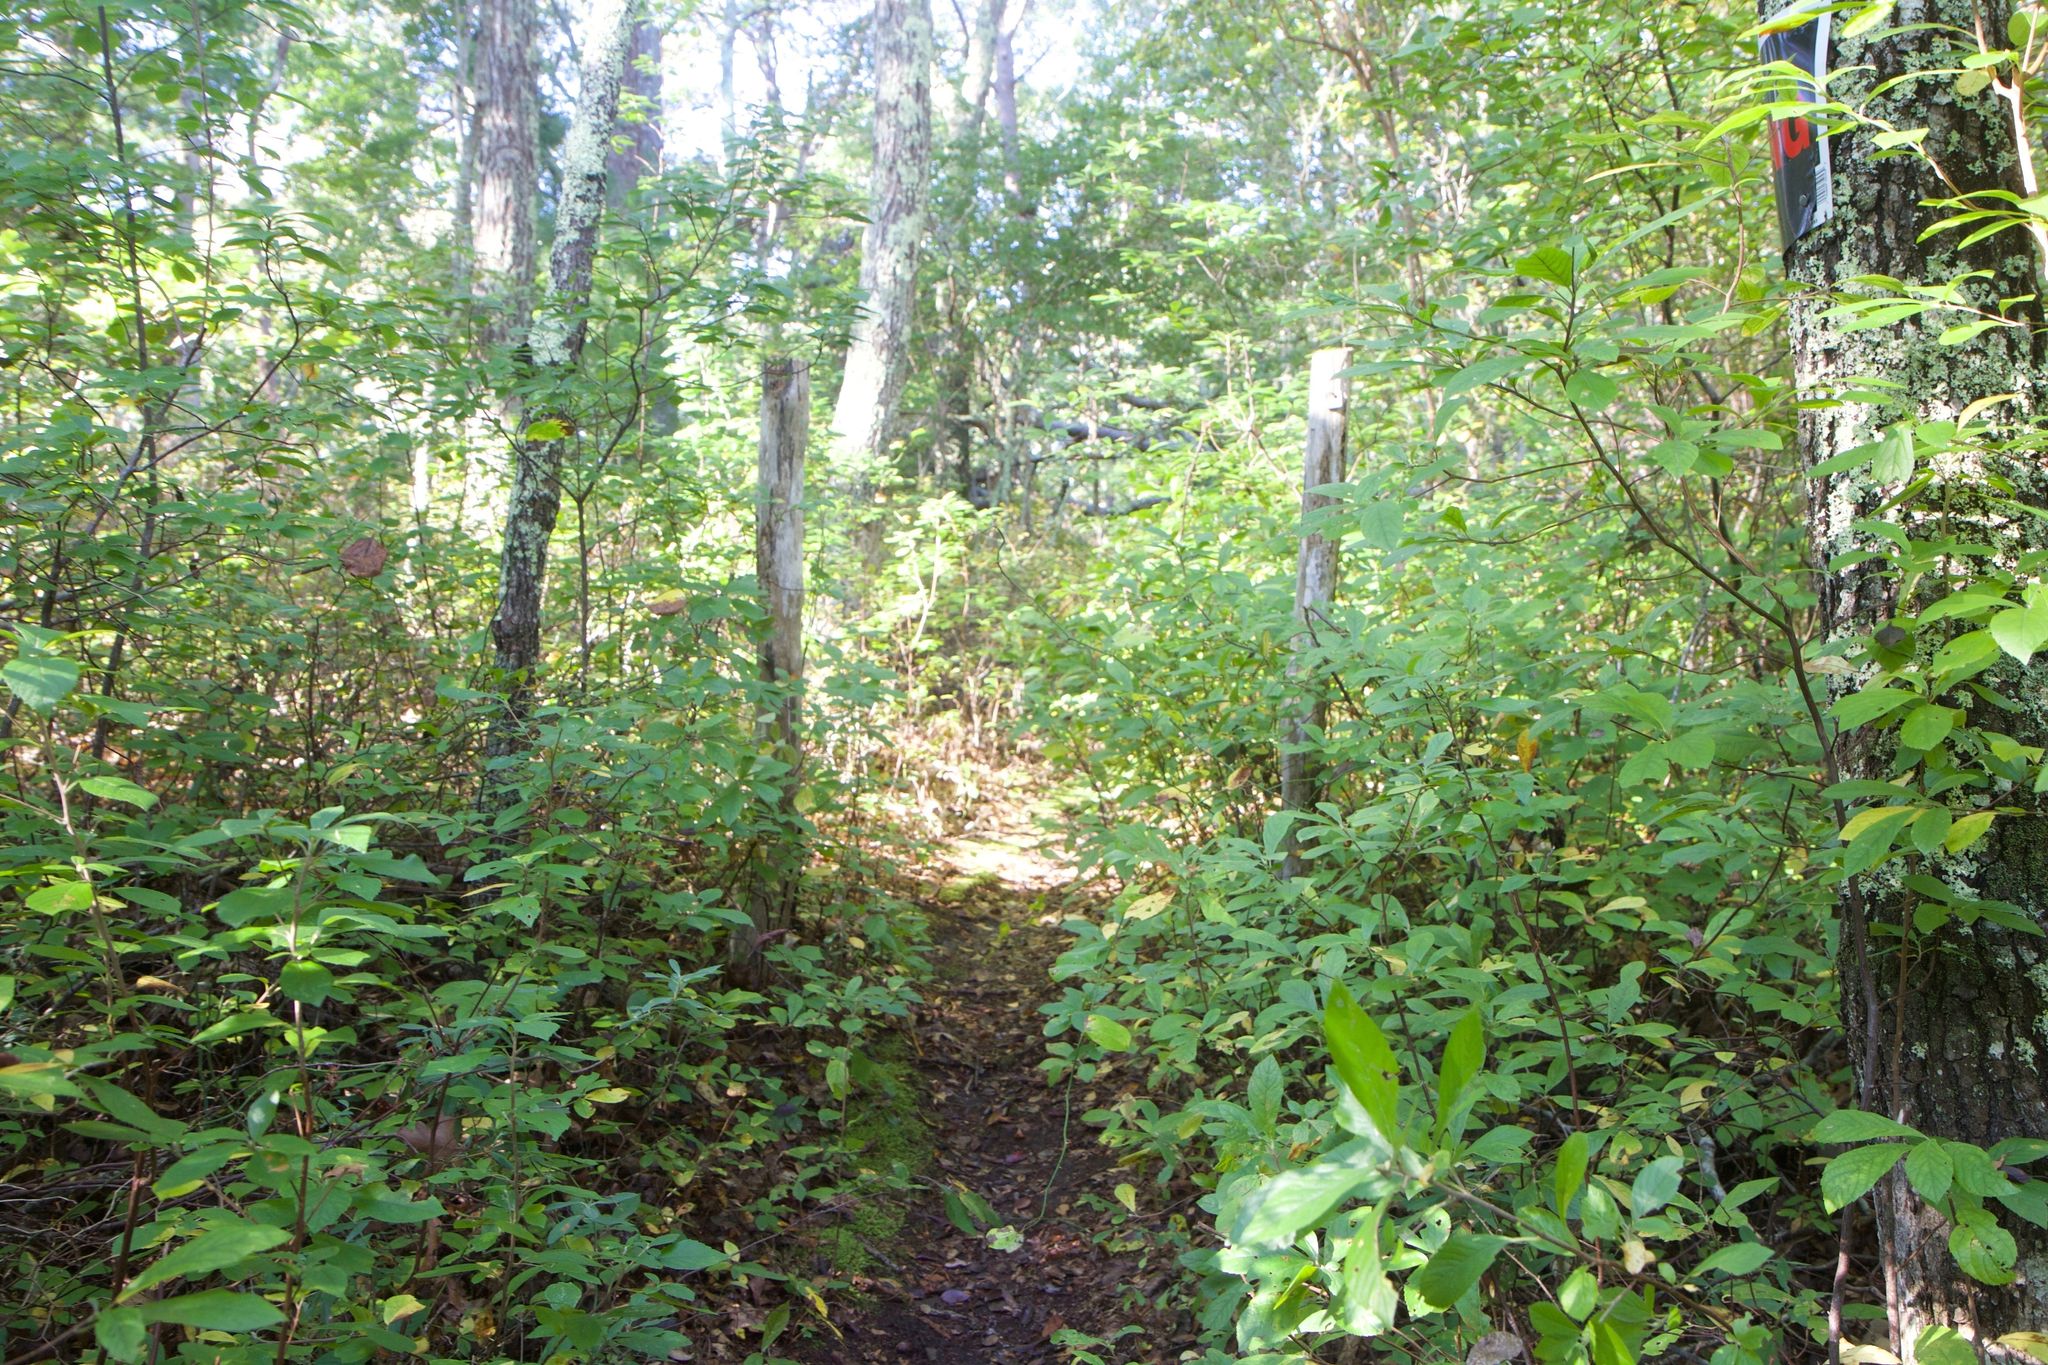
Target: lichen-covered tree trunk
x,y
555,344
1951,1036
504,147
899,200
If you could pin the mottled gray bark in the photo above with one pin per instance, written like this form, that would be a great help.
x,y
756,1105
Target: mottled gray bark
x,y
1950,1033
555,344
1315,579
779,568
878,360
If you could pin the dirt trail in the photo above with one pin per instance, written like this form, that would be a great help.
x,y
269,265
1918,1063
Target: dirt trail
x,y
945,1297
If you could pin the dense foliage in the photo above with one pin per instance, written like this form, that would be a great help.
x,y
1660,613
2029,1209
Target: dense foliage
x,y
353,1009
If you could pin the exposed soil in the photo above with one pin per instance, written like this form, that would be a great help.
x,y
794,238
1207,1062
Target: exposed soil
x,y
943,1296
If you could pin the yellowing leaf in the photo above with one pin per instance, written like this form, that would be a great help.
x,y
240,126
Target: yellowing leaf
x,y
399,1306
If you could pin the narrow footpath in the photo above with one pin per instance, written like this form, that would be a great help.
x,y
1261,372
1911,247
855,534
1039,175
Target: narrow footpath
x,y
948,1297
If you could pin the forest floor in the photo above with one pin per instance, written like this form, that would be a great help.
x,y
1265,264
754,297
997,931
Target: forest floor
x,y
996,895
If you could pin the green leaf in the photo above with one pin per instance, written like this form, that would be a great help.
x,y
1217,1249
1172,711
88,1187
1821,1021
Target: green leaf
x,y
1870,834
122,1333
215,1310
1743,1258
1930,1171
1655,1186
1849,1176
1455,1268
1926,726
1860,708
1943,1346
1266,1093
309,983
118,1104
1572,1159
60,898
547,429
41,680
686,1254
2022,631
1551,264
1381,523
1364,1062
119,789
1592,389
1464,1055
1984,1251
1366,1302
219,1247
1853,1125
1107,1034
1894,460
1293,1202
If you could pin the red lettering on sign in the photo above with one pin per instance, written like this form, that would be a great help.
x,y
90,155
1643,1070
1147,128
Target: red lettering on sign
x,y
1790,138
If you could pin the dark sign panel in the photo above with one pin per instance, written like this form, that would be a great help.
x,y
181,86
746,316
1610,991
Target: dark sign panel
x,y
1799,150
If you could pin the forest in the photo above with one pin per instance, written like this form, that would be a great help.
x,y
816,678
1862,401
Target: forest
x,y
1046,682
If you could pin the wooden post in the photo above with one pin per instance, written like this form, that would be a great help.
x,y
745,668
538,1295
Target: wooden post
x,y
1315,579
779,568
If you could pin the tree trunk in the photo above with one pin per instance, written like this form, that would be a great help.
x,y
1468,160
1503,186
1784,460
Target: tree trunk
x,y
506,142
1315,579
899,191
1948,1033
556,343
638,153
505,146
779,568
1005,80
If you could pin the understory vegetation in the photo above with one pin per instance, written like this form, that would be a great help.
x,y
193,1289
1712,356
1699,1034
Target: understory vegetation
x,y
1564,883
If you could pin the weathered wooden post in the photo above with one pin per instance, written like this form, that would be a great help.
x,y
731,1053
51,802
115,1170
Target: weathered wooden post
x,y
1315,579
779,568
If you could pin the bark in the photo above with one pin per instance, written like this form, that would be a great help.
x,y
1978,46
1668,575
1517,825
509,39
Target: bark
x,y
555,344
1005,80
504,145
1315,579
899,194
1950,1033
506,140
636,150
779,568
728,102
465,146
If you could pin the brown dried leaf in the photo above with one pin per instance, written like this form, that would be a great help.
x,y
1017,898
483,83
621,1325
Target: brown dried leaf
x,y
365,558
670,606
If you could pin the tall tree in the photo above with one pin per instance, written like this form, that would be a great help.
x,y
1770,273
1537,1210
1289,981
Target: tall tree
x,y
504,149
1942,1026
636,151
899,199
556,344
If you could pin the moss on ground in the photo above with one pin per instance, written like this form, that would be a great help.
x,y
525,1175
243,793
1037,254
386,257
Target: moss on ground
x,y
887,1129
